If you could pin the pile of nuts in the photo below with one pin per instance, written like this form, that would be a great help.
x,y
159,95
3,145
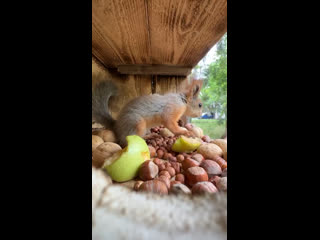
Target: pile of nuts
x,y
169,172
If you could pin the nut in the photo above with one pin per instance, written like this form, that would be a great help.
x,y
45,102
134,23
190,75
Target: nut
x,y
224,155
172,159
176,166
214,180
188,162
160,153
224,173
174,182
161,167
165,132
104,151
157,161
220,161
154,186
165,180
107,135
180,158
152,151
179,177
211,167
196,174
148,170
210,150
222,143
171,171
165,173
137,185
198,157
179,188
206,138
204,187
96,141
222,184
167,164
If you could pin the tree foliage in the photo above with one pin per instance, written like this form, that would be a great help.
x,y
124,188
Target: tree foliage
x,y
214,91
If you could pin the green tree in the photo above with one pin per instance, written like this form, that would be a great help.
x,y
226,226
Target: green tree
x,y
214,91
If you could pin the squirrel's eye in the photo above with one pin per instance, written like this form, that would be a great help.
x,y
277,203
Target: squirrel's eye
x,y
200,105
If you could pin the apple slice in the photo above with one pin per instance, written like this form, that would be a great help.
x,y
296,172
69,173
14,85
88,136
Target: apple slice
x,y
124,164
185,144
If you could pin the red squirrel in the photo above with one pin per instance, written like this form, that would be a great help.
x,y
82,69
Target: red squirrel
x,y
147,111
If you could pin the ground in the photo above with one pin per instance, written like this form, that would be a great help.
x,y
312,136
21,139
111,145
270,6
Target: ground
x,y
211,127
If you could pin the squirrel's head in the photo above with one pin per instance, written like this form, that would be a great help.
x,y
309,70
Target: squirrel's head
x,y
194,104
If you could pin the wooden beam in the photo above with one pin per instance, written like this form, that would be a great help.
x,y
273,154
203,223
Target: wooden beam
x,y
137,69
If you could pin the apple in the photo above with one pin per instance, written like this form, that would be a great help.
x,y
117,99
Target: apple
x,y
124,164
185,144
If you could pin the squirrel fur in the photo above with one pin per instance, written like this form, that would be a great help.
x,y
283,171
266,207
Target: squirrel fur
x,y
147,111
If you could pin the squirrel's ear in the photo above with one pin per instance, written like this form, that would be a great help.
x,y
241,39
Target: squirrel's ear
x,y
197,84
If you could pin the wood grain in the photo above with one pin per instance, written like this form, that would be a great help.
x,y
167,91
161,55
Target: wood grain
x,y
172,32
119,32
183,31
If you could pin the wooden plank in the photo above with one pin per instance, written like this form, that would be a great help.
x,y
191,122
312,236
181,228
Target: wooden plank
x,y
165,84
183,31
154,70
120,33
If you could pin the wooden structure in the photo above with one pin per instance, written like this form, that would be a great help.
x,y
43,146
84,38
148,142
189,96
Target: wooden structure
x,y
150,46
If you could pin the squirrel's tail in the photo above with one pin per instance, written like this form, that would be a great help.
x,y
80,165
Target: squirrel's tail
x,y
100,99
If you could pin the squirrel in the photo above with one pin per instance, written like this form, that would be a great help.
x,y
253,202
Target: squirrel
x,y
146,111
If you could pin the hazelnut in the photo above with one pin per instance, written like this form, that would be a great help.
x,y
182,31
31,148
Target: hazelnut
x,y
176,166
214,180
179,188
179,177
220,161
188,162
196,174
161,167
172,159
160,153
171,171
154,186
107,135
104,151
180,158
137,185
165,156
153,143
96,141
222,184
167,164
198,157
152,151
157,161
206,138
148,170
165,180
165,173
174,182
165,132
224,173
204,187
211,167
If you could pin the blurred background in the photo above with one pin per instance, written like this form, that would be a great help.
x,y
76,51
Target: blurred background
x,y
213,70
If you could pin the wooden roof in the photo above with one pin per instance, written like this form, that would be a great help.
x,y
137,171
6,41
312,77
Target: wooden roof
x,y
158,32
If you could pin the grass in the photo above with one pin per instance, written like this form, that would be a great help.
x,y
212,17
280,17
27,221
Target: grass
x,y
210,127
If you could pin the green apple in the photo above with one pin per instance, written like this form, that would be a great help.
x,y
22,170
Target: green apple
x,y
185,144
124,165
